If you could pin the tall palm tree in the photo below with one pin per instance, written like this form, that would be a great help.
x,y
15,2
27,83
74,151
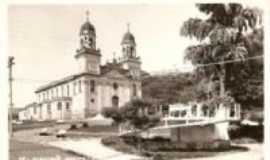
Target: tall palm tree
x,y
222,36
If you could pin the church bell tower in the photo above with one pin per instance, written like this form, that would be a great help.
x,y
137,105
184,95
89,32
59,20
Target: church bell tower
x,y
130,59
87,56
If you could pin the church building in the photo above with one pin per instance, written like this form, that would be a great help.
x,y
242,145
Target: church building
x,y
94,86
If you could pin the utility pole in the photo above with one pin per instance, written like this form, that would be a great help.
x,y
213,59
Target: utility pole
x,y
10,79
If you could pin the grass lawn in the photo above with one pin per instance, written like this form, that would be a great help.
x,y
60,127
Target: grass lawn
x,y
32,125
92,131
97,129
19,150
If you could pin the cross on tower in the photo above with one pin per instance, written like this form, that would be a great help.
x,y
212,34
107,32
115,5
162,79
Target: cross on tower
x,y
87,15
128,25
114,57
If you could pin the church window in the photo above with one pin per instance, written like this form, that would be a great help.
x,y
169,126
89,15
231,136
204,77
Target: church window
x,y
204,110
92,86
67,106
134,90
59,106
194,110
131,51
115,101
91,41
49,108
115,86
92,100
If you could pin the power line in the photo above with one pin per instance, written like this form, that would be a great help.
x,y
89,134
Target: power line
x,y
29,80
209,64
229,61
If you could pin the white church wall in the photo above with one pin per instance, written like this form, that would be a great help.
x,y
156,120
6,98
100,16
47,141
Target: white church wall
x,y
99,98
54,111
123,94
43,111
82,67
79,103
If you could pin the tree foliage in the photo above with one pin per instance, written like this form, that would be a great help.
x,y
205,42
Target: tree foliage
x,y
113,113
133,113
230,32
169,88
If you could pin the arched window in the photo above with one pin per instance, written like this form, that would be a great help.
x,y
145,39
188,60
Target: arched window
x,y
204,110
92,100
131,51
49,109
92,86
115,101
194,110
91,42
115,86
59,106
134,88
67,106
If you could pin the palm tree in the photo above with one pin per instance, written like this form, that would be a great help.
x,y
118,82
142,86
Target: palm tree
x,y
222,36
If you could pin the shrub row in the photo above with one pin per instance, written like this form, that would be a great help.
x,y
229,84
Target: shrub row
x,y
162,144
74,126
245,131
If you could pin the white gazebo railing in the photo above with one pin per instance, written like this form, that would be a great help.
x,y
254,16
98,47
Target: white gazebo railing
x,y
183,115
199,114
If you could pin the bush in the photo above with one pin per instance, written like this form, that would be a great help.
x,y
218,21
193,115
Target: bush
x,y
44,134
158,157
73,127
113,113
85,125
110,141
163,144
245,131
166,149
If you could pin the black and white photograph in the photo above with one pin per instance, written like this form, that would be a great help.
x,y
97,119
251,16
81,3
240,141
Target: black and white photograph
x,y
134,81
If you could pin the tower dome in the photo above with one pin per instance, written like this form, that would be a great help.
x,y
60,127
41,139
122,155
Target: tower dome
x,y
87,26
87,34
128,38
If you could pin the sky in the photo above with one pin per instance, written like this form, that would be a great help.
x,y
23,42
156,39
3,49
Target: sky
x,y
43,39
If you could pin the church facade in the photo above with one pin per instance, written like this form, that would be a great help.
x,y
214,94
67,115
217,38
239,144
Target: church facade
x,y
95,86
